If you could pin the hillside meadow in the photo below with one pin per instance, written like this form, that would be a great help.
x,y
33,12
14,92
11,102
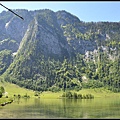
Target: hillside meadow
x,y
12,89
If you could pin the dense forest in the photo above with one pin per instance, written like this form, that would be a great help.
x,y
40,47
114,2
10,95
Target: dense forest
x,y
61,52
68,74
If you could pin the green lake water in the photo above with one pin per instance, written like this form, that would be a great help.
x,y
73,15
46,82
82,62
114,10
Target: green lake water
x,y
62,108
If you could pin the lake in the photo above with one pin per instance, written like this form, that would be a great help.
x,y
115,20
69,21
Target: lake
x,y
62,108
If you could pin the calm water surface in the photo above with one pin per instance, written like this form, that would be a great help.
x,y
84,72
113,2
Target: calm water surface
x,y
62,108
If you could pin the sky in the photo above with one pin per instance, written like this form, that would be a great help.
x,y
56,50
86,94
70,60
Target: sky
x,y
87,11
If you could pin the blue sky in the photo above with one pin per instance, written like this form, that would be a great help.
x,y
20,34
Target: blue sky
x,y
86,11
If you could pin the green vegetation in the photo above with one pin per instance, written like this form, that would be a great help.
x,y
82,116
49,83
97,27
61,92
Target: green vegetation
x,y
5,60
2,91
14,92
66,74
77,96
31,69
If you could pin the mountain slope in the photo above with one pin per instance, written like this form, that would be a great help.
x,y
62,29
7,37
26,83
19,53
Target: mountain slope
x,y
45,35
56,49
12,27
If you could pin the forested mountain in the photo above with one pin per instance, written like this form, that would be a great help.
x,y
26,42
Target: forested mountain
x,y
56,50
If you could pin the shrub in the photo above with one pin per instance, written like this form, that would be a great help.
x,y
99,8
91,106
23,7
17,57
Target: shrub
x,y
2,89
79,96
69,94
63,95
75,95
36,93
6,96
19,96
26,96
0,94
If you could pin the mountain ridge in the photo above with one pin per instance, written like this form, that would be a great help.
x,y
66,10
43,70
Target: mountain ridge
x,y
54,47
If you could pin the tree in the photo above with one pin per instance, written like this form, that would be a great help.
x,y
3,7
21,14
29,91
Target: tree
x,y
2,90
0,94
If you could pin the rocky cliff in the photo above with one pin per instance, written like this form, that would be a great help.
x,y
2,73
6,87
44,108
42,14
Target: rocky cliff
x,y
57,32
50,48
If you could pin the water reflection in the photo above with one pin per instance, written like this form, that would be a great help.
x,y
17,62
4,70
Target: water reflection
x,y
62,108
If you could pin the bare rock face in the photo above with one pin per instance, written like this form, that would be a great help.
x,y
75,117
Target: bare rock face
x,y
13,28
53,34
47,36
9,44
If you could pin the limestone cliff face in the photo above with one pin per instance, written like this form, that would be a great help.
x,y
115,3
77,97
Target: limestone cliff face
x,y
54,34
13,28
9,44
66,19
46,36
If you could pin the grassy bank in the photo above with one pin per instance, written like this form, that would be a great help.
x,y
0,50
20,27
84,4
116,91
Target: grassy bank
x,y
13,89
96,92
